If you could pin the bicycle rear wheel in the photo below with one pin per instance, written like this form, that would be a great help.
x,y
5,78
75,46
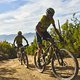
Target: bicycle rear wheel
x,y
25,60
39,64
19,56
66,70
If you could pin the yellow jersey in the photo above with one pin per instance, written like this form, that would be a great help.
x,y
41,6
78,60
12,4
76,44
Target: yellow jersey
x,y
18,39
45,23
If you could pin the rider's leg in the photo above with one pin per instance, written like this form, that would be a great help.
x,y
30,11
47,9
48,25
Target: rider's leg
x,y
39,42
39,50
17,52
51,40
20,53
48,37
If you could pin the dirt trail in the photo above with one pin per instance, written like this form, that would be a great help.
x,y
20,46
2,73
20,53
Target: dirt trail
x,y
12,70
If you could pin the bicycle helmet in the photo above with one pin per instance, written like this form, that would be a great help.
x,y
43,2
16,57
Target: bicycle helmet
x,y
50,11
19,33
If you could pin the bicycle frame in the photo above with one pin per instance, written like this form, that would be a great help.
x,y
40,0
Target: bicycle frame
x,y
56,54
20,52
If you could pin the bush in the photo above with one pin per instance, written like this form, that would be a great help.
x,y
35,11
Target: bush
x,y
6,50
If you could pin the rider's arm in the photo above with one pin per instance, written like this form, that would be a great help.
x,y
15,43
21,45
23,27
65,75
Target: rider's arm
x,y
14,41
53,23
38,29
26,40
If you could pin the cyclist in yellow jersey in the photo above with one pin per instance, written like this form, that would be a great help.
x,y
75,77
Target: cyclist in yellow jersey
x,y
41,28
18,39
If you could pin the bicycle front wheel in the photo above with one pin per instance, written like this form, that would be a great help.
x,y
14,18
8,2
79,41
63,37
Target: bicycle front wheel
x,y
67,68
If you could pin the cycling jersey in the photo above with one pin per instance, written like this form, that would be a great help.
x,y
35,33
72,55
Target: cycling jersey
x,y
45,23
18,39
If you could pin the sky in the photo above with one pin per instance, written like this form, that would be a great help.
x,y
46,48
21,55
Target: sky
x,y
16,15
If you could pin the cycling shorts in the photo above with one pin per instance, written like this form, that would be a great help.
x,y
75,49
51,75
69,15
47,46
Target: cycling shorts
x,y
45,35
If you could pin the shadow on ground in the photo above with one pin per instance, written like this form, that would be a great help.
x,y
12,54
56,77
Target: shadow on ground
x,y
31,67
48,70
6,71
8,78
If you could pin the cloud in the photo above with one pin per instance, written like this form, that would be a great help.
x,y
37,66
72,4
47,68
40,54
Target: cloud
x,y
4,1
25,17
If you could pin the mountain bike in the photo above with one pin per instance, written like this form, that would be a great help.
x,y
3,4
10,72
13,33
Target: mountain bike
x,y
22,56
63,63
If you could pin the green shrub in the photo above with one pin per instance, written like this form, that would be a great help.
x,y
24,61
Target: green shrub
x,y
6,50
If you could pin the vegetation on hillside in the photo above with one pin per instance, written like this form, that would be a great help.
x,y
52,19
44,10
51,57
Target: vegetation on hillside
x,y
6,50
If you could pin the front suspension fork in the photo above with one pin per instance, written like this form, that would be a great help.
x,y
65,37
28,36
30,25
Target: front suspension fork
x,y
59,57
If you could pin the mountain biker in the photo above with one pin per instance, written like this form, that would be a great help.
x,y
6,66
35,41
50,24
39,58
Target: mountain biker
x,y
41,29
18,39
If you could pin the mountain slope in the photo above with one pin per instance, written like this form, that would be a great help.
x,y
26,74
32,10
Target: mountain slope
x,y
10,38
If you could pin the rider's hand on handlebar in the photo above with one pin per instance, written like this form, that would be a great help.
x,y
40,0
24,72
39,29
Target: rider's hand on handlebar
x,y
14,45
